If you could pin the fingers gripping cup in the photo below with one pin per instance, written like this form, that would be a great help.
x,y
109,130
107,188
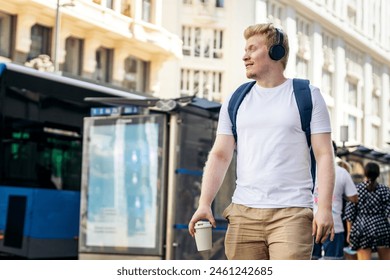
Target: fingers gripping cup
x,y
203,236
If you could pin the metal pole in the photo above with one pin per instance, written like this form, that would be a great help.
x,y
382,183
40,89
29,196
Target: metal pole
x,y
56,37
171,193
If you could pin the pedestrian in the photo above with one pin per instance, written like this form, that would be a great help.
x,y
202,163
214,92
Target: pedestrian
x,y
344,189
271,214
368,220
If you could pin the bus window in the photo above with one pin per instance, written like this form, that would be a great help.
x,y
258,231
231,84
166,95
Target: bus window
x,y
37,155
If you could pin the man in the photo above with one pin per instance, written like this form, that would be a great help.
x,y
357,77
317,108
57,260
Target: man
x,y
344,188
270,216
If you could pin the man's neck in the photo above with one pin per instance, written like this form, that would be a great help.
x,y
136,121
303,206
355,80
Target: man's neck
x,y
271,82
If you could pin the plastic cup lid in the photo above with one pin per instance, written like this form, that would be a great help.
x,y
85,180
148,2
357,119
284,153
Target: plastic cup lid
x,y
203,224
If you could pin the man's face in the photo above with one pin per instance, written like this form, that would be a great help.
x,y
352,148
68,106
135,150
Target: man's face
x,y
256,57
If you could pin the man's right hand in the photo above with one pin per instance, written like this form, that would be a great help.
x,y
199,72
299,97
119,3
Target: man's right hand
x,y
203,212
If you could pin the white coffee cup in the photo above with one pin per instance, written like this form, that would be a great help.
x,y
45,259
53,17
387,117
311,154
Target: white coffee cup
x,y
203,236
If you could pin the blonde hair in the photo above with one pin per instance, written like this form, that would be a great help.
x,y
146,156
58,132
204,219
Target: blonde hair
x,y
269,32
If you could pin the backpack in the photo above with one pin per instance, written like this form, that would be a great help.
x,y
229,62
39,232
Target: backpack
x,y
302,95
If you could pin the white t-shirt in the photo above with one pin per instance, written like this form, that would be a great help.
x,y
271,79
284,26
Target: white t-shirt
x,y
273,160
344,185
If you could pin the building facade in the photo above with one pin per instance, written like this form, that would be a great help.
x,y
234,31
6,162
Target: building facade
x,y
107,41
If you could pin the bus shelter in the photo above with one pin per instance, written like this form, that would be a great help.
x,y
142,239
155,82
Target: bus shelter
x,y
141,178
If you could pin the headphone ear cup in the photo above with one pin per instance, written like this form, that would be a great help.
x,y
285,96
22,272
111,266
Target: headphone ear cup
x,y
277,52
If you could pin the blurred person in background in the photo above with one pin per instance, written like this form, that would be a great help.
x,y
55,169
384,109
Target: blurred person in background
x,y
368,223
344,189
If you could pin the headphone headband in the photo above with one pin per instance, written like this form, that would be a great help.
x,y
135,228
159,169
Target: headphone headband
x,y
279,36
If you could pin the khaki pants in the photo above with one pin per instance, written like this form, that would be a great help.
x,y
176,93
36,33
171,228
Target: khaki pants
x,y
268,234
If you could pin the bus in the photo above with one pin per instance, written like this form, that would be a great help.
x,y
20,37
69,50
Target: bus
x,y
41,124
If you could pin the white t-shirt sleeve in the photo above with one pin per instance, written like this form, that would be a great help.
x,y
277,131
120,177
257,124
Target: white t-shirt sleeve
x,y
224,123
320,121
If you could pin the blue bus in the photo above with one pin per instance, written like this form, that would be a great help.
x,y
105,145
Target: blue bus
x,y
41,122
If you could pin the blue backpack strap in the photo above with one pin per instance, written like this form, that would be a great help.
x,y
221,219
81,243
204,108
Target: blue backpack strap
x,y
235,102
302,95
305,106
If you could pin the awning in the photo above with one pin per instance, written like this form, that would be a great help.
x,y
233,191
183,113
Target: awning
x,y
361,151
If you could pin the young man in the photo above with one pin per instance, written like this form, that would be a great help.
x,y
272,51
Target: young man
x,y
270,216
344,189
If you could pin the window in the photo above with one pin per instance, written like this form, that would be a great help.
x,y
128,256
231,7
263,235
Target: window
x,y
197,42
219,3
376,20
376,109
354,60
146,10
331,5
203,84
375,134
74,56
304,37
275,12
202,42
352,125
218,44
352,94
126,8
377,69
136,74
186,38
104,62
40,41
328,48
109,4
6,31
355,10
351,13
327,82
41,155
302,68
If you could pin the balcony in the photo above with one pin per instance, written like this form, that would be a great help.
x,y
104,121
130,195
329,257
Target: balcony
x,y
204,11
99,22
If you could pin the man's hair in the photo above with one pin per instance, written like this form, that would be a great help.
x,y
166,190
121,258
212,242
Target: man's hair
x,y
269,30
372,171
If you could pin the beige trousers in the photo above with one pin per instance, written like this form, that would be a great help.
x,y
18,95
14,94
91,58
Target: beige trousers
x,y
268,234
